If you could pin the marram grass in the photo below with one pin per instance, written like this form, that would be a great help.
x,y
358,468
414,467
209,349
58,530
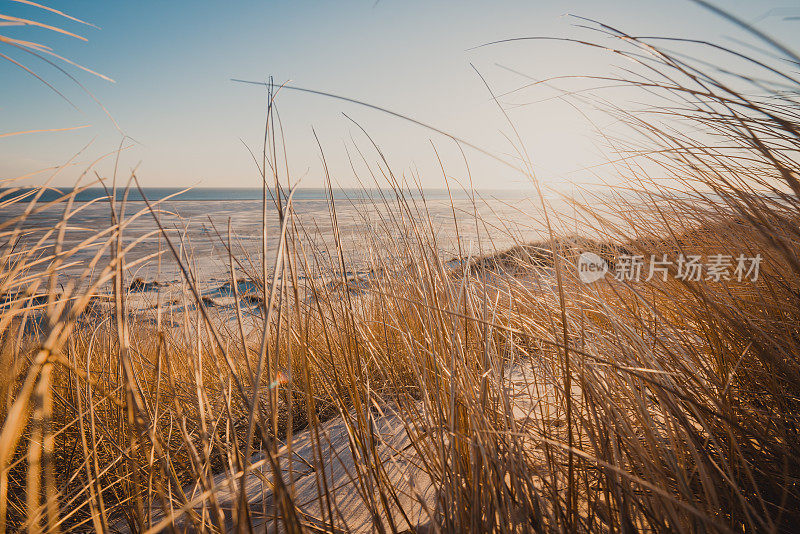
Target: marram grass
x,y
499,395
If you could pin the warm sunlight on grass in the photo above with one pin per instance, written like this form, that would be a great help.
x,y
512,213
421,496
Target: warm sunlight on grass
x,y
490,392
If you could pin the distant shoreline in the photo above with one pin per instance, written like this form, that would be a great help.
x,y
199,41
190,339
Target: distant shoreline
x,y
210,194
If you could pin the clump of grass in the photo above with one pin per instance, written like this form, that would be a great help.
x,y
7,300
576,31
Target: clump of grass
x,y
524,403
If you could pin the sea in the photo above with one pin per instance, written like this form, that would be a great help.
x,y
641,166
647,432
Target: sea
x,y
202,225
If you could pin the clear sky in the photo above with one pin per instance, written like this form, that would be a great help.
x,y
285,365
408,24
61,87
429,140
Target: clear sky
x,y
172,61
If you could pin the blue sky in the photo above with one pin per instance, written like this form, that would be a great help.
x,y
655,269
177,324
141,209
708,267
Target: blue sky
x,y
172,63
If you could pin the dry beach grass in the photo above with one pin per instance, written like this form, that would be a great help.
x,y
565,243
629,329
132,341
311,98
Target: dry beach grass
x,y
496,394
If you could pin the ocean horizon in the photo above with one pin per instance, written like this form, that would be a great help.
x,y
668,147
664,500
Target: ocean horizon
x,y
210,194
198,220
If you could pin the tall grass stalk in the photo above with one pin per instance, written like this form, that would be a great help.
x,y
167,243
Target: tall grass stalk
x,y
496,392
